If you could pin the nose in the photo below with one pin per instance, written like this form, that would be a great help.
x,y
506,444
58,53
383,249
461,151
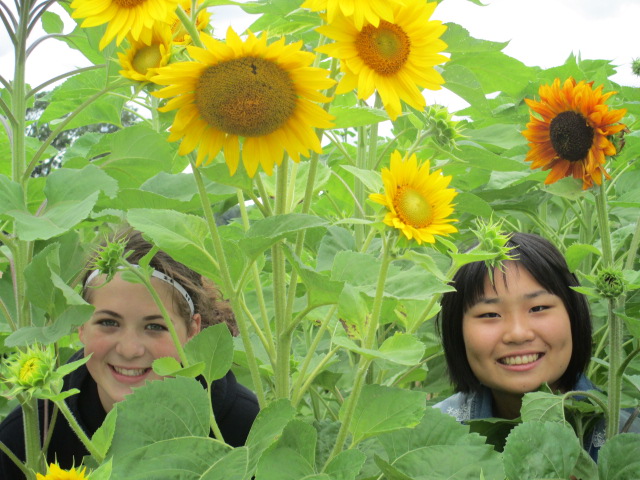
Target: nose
x,y
130,346
518,330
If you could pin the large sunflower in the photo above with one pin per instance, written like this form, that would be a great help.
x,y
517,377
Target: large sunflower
x,y
569,129
393,58
360,11
261,92
141,61
124,17
419,202
56,473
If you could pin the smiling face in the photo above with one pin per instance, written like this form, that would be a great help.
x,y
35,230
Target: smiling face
x,y
517,337
126,333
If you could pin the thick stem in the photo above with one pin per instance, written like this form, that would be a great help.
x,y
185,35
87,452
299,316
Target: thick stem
x,y
227,283
364,362
615,322
31,436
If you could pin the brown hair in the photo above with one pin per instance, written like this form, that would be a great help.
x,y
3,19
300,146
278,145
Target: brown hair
x,y
206,297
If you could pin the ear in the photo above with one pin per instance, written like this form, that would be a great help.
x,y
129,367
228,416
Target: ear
x,y
81,333
194,326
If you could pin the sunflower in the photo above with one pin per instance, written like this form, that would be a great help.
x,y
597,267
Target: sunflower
x,y
141,60
263,93
393,58
124,17
180,34
569,129
56,473
419,202
360,11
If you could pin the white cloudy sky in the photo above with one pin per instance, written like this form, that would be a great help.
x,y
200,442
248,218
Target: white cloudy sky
x,y
540,32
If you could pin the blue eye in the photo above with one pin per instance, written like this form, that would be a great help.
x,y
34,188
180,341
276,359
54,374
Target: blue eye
x,y
156,327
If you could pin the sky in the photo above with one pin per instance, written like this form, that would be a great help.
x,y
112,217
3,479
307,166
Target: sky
x,y
539,32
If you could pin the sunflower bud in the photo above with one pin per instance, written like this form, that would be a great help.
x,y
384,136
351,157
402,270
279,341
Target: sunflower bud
x,y
635,66
444,131
492,240
610,283
30,370
108,258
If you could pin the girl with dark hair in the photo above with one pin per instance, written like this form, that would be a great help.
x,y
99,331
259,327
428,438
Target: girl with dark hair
x,y
125,334
509,333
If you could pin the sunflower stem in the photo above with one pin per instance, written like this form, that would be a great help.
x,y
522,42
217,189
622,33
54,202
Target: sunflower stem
x,y
615,323
227,283
369,343
31,436
80,433
283,334
188,24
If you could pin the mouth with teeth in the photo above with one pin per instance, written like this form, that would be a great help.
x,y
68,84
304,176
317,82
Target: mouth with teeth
x,y
520,359
130,372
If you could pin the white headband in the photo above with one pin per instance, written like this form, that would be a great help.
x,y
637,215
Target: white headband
x,y
160,276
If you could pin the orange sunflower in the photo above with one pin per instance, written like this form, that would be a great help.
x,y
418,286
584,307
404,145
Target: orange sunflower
x,y
261,93
418,202
395,58
569,129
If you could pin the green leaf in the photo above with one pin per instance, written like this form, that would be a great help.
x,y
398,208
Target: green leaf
x,y
295,448
349,117
11,196
618,459
578,252
233,466
104,434
371,179
353,311
444,462
541,450
384,409
175,457
403,349
268,231
346,465
213,347
52,23
180,408
184,237
169,366
543,407
267,428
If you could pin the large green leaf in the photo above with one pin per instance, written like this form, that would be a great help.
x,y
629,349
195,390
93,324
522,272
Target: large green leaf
x,y
214,347
618,459
184,237
383,409
295,448
542,406
161,410
541,450
233,466
349,117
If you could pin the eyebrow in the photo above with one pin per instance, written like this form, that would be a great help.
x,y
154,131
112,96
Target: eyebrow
x,y
494,300
148,318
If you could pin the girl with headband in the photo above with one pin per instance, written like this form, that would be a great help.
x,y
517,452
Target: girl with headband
x,y
125,334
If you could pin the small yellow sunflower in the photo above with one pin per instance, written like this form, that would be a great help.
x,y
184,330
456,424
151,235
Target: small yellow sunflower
x,y
141,61
263,93
394,58
56,473
568,131
124,17
180,34
419,202
360,11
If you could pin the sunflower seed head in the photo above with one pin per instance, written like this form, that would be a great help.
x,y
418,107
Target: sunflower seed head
x,y
610,283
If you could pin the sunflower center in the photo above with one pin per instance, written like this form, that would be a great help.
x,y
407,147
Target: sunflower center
x,y
413,209
385,49
246,96
28,369
571,135
146,58
129,3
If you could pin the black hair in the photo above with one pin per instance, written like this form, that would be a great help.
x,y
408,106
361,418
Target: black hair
x,y
549,268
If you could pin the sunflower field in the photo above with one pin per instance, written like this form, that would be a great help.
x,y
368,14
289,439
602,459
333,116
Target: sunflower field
x,y
298,166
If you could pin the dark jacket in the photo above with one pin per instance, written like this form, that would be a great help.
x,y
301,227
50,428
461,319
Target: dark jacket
x,y
235,408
